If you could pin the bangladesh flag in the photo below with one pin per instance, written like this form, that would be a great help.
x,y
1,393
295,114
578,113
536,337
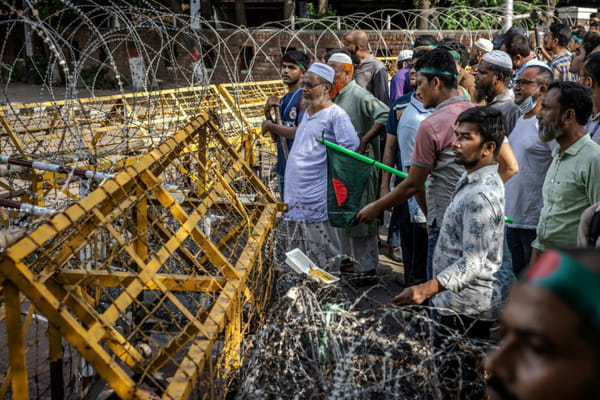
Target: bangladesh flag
x,y
346,182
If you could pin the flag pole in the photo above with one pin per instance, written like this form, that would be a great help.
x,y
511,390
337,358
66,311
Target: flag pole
x,y
377,164
362,158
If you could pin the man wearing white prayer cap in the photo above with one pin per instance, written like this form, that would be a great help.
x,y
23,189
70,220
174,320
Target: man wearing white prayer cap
x,y
492,81
306,169
369,116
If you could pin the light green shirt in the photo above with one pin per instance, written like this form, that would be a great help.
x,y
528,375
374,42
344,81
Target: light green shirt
x,y
364,110
572,184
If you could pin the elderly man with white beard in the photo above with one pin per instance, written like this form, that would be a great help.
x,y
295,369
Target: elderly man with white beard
x,y
306,168
572,182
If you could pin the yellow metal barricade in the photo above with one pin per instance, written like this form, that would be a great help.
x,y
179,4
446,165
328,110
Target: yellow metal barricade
x,y
150,281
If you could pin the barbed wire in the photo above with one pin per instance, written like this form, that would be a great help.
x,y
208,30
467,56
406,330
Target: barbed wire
x,y
318,343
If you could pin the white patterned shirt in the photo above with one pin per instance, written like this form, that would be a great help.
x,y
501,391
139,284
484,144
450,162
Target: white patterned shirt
x,y
468,256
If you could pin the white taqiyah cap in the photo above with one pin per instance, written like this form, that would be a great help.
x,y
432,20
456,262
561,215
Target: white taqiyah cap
x,y
341,58
323,70
498,58
484,45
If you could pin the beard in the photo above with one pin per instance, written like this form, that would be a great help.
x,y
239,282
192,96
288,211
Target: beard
x,y
468,163
337,87
306,103
482,93
549,132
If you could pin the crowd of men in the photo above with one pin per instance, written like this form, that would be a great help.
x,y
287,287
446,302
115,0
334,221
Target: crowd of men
x,y
501,150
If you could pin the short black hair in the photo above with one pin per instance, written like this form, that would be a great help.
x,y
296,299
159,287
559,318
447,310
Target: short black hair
x,y
591,40
517,44
562,33
297,57
453,44
490,121
425,40
592,67
574,96
420,53
439,63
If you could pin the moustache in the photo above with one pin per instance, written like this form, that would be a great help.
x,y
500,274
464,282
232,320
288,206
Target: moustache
x,y
498,387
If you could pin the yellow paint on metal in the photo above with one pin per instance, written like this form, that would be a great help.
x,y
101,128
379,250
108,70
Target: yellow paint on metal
x,y
123,241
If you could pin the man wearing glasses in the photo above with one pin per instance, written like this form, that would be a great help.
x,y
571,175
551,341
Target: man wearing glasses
x,y
306,168
524,190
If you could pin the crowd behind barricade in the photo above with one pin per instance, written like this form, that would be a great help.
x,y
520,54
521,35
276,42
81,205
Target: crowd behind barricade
x,y
495,202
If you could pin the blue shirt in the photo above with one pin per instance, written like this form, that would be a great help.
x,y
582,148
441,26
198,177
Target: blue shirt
x,y
409,123
290,115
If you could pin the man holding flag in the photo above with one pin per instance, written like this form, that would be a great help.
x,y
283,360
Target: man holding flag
x,y
306,169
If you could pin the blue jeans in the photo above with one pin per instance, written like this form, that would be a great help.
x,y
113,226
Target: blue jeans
x,y
434,234
519,242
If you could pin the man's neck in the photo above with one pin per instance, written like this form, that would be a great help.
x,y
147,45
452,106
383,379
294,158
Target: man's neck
x,y
557,50
362,54
292,87
482,163
567,139
445,95
319,105
596,92
534,110
498,91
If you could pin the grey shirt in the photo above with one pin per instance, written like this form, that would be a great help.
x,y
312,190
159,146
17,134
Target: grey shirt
x,y
505,103
372,75
524,199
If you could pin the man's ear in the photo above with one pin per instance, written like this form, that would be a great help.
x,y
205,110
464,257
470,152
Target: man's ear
x,y
568,115
436,82
489,148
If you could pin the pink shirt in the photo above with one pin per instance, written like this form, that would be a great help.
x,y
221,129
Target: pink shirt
x,y
433,150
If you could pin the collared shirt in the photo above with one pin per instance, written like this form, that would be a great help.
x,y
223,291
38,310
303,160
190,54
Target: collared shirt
x,y
593,127
372,75
396,110
524,190
505,103
572,184
290,115
560,67
406,132
467,260
433,150
306,169
364,110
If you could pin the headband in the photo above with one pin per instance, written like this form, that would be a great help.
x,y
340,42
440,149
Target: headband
x,y
571,281
577,39
299,64
435,71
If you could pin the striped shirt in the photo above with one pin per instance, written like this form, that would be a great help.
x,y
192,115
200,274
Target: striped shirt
x,y
560,67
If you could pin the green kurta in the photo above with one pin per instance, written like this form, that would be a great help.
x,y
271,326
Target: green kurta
x,y
364,110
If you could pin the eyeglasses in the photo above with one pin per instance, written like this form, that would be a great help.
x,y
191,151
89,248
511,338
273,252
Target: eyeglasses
x,y
523,82
310,85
